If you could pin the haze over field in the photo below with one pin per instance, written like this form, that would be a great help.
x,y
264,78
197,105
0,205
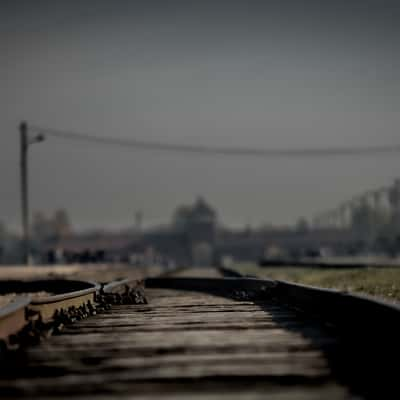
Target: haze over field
x,y
263,74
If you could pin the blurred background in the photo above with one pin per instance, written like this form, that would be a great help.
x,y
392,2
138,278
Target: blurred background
x,y
201,132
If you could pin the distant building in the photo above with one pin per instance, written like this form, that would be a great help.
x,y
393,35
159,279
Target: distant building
x,y
199,225
195,238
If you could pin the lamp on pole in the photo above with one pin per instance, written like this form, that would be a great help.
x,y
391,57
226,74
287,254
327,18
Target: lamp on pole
x,y
25,142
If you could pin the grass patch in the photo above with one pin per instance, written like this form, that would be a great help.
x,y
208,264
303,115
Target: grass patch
x,y
382,282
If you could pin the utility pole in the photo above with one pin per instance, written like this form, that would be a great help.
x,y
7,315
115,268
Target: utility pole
x,y
23,131
25,142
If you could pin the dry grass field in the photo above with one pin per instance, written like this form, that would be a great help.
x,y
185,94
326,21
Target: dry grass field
x,y
382,282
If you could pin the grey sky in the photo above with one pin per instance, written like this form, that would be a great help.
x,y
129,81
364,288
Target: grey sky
x,y
250,73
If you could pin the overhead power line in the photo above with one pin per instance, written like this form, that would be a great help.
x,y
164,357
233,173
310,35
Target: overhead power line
x,y
223,150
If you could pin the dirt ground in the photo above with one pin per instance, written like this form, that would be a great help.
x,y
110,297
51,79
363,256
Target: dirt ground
x,y
94,272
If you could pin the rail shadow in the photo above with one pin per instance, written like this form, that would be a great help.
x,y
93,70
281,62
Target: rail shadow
x,y
356,358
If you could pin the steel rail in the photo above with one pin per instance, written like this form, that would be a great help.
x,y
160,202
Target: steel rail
x,y
13,318
26,319
72,299
18,303
347,311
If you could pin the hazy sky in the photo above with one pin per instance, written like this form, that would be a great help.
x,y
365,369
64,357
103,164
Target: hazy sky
x,y
226,73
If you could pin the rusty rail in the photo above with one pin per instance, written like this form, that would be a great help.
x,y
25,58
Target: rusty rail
x,y
27,320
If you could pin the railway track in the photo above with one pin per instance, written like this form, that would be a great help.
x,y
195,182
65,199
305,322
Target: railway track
x,y
37,312
208,337
39,308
